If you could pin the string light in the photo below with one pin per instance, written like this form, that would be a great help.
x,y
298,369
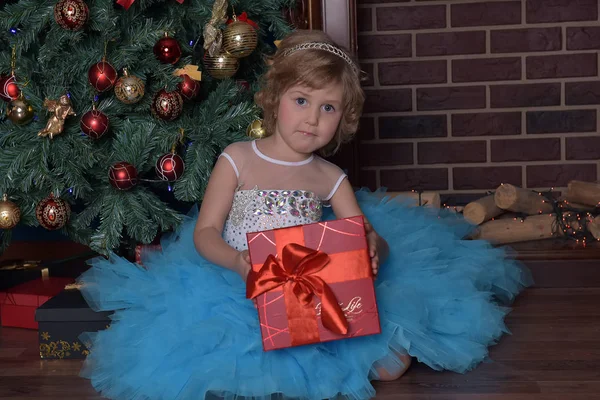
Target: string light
x,y
565,216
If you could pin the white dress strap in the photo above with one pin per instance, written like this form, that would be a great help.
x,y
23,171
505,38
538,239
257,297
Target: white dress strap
x,y
335,187
228,157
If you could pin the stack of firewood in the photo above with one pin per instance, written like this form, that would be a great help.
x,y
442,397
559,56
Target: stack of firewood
x,y
513,214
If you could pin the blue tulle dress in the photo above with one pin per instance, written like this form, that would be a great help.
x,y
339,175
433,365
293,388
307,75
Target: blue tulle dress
x,y
183,328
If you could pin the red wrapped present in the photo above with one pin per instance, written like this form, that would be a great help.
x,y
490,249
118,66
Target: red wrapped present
x,y
18,304
312,283
143,250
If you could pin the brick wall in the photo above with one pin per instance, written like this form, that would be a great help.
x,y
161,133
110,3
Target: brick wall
x,y
464,95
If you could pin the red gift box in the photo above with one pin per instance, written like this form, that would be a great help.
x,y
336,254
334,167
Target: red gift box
x,y
18,304
143,250
312,283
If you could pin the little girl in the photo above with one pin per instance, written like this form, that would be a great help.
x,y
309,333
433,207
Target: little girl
x,y
183,328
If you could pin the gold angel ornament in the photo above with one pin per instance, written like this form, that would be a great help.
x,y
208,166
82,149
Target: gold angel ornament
x,y
60,110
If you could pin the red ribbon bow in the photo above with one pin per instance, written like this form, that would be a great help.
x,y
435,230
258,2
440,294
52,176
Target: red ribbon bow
x,y
295,272
127,3
244,18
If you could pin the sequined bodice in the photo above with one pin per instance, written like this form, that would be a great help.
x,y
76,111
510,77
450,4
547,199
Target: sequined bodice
x,y
258,210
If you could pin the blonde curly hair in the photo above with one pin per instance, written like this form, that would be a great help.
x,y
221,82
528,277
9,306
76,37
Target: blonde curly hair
x,y
315,68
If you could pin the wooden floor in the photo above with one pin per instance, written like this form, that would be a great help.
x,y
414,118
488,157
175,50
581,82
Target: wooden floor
x,y
554,353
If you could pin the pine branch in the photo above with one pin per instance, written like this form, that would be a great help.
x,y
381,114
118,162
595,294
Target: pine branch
x,y
24,12
134,143
192,184
138,222
111,222
89,213
163,216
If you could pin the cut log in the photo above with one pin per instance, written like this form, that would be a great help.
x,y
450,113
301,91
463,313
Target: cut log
x,y
481,210
503,231
516,199
535,227
594,227
587,193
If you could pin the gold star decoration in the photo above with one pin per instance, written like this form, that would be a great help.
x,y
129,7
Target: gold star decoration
x,y
85,352
76,346
191,71
45,335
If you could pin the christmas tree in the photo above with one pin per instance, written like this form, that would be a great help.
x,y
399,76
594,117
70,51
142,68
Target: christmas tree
x,y
113,113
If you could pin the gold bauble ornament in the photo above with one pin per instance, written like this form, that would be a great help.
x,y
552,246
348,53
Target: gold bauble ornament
x,y
19,111
239,39
10,213
129,88
255,130
221,66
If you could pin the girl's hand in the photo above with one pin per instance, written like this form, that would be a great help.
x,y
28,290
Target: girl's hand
x,y
242,263
372,243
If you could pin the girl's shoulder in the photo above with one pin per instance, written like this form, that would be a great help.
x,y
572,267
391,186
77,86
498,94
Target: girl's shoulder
x,y
238,148
331,175
328,170
238,152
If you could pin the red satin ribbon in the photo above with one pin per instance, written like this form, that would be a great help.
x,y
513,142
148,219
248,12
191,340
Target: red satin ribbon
x,y
244,18
295,271
127,3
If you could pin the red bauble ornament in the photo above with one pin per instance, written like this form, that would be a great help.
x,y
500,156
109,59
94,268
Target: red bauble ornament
x,y
71,14
9,90
167,105
167,50
188,88
170,167
123,176
52,213
102,76
94,123
243,84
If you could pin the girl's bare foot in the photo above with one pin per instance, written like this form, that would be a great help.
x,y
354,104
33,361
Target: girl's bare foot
x,y
385,375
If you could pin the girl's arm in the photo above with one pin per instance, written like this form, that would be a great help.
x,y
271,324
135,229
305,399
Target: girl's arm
x,y
213,213
344,205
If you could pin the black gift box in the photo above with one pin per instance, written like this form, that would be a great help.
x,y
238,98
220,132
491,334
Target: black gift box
x,y
62,319
15,272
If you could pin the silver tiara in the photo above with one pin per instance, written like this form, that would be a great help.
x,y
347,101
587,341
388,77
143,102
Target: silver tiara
x,y
322,46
